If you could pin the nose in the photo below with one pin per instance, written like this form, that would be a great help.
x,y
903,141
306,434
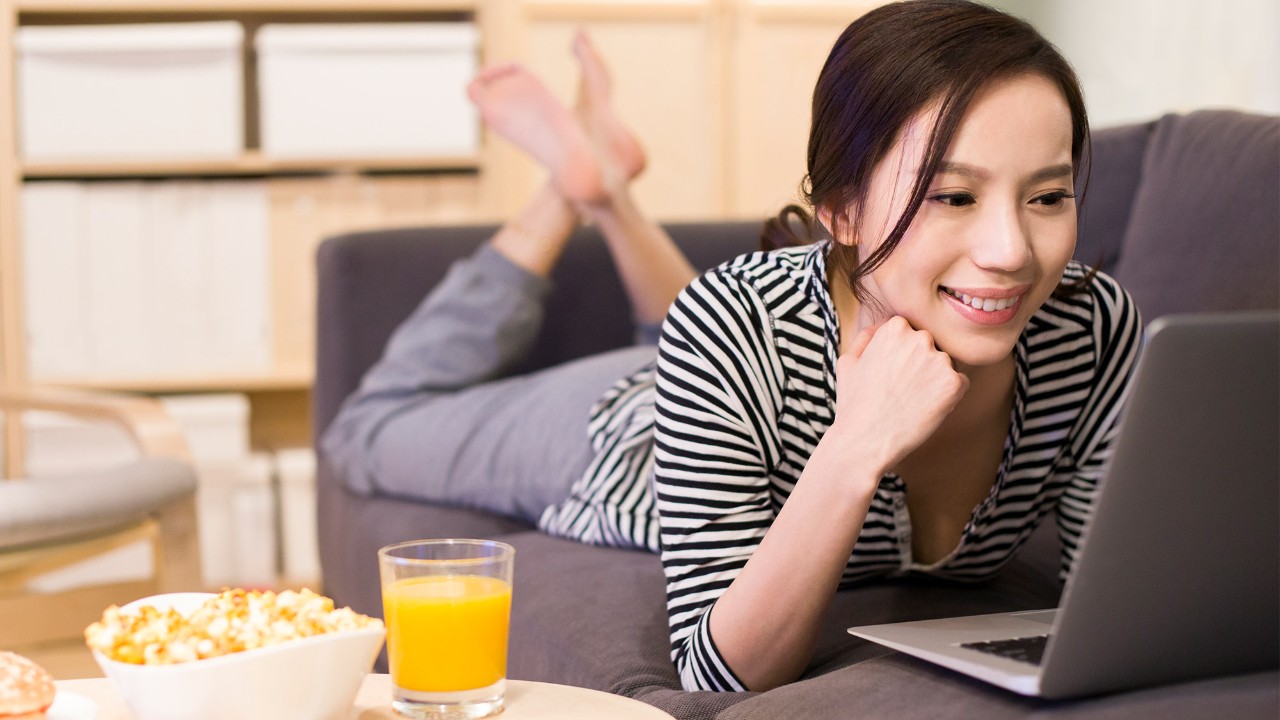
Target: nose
x,y
1005,243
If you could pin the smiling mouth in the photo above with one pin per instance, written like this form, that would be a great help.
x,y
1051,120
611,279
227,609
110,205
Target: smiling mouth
x,y
983,304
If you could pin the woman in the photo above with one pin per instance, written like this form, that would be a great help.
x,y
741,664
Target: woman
x,y
909,396
915,398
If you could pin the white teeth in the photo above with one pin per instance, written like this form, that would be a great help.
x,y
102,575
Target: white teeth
x,y
983,304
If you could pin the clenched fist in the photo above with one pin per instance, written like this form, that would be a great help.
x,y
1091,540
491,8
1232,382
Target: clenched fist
x,y
894,388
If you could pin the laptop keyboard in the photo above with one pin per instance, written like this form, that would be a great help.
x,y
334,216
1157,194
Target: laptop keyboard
x,y
1025,649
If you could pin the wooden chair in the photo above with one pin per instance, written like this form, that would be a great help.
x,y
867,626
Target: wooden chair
x,y
52,522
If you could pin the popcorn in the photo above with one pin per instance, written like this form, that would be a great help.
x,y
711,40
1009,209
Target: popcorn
x,y
230,622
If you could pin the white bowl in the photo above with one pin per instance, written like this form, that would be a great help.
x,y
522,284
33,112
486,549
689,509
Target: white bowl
x,y
315,678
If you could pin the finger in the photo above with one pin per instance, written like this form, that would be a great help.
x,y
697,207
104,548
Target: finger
x,y
863,339
874,313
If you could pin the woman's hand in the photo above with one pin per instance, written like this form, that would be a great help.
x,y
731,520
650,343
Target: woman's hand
x,y
894,388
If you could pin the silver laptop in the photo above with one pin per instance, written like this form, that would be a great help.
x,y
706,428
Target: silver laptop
x,y
1178,576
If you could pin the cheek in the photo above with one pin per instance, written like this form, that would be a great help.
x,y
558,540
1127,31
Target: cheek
x,y
901,284
1055,244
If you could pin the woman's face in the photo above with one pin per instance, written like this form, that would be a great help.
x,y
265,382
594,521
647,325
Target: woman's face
x,y
997,226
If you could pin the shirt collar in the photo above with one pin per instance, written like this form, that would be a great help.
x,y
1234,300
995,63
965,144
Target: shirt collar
x,y
814,270
818,291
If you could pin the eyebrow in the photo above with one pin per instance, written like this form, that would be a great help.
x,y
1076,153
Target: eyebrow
x,y
1051,172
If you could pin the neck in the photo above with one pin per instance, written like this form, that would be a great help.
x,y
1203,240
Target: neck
x,y
849,311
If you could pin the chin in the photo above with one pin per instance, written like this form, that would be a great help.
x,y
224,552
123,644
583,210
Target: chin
x,y
977,353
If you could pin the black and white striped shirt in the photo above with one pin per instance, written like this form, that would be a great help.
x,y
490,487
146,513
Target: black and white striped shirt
x,y
745,389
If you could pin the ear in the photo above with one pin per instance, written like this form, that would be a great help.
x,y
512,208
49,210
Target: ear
x,y
837,222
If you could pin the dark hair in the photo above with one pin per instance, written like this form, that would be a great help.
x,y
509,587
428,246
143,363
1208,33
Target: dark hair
x,y
887,67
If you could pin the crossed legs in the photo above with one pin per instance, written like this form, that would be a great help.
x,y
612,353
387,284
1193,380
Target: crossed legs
x,y
434,419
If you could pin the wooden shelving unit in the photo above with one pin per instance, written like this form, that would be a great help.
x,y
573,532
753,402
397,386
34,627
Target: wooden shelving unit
x,y
279,381
86,7
283,390
251,163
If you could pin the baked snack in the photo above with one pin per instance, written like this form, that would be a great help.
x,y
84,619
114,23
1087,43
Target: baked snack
x,y
26,689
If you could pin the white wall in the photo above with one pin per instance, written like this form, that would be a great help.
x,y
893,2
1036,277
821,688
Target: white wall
x,y
1139,59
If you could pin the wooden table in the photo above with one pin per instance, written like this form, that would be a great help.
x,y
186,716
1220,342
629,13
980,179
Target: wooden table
x,y
525,701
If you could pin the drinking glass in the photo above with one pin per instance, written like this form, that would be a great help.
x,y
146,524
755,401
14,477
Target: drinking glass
x,y
447,606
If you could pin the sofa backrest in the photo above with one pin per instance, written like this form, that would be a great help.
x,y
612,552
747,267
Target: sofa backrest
x,y
1204,231
1184,212
1105,191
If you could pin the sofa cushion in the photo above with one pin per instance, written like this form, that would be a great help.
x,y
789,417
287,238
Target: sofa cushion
x,y
588,616
904,688
1204,234
596,617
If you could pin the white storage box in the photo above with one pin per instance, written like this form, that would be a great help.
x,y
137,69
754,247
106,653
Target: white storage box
x,y
296,472
131,91
370,90
236,512
235,497
147,279
216,425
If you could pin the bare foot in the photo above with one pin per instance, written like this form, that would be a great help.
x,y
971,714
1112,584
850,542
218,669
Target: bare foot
x,y
615,145
519,107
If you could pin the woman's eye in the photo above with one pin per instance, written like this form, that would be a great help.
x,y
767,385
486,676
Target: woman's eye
x,y
954,199
1052,199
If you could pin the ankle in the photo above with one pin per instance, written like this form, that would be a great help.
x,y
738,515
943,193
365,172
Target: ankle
x,y
531,251
615,203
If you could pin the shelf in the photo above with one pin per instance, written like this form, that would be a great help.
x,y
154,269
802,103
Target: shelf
x,y
292,380
242,6
251,163
808,13
619,11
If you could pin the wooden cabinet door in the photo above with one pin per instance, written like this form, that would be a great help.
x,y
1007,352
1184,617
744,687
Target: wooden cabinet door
x,y
666,63
778,51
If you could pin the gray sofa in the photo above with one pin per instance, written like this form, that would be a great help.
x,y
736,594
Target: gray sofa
x,y
1182,210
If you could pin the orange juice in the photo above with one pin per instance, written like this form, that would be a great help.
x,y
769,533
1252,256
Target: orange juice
x,y
447,633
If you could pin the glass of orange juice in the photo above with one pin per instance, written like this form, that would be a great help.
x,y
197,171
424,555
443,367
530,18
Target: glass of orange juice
x,y
447,606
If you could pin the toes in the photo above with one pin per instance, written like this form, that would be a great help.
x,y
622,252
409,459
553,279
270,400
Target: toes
x,y
582,44
497,72
586,52
475,91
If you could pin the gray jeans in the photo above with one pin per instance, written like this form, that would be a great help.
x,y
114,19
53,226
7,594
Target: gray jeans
x,y
436,420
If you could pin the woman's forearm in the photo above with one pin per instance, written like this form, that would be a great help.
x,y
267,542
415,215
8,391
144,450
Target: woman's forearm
x,y
765,625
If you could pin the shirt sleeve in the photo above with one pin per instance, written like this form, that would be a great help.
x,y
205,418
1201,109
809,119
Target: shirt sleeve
x,y
1117,337
719,387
